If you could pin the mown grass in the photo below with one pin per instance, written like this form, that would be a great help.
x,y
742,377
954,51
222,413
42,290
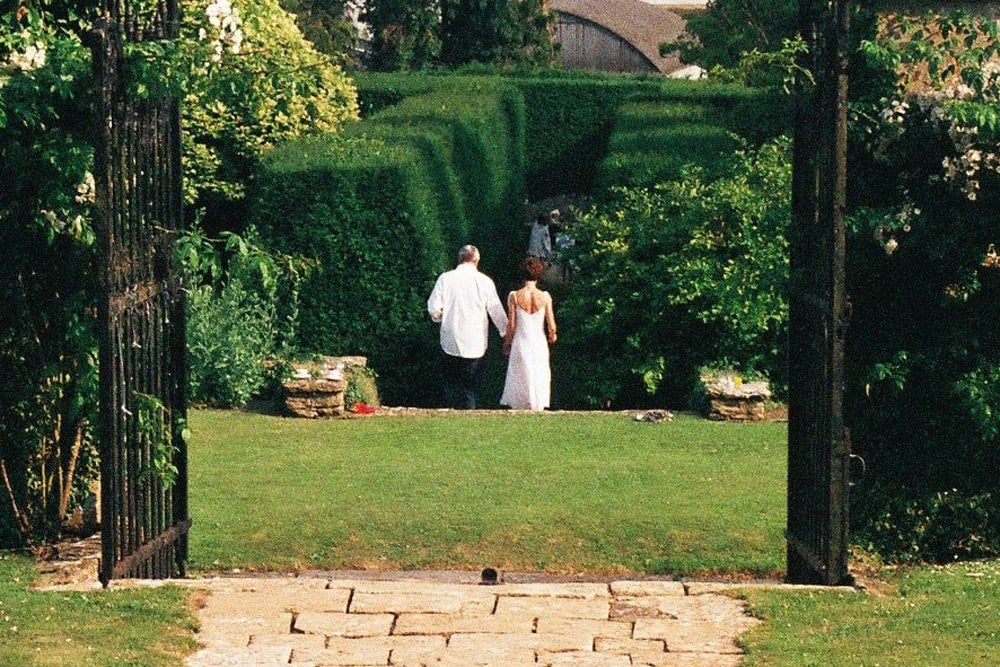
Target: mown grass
x,y
563,493
143,627
929,616
594,492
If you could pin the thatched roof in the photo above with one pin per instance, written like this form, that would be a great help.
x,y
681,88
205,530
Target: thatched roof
x,y
643,25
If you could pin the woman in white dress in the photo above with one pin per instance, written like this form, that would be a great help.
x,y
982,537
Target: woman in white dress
x,y
531,328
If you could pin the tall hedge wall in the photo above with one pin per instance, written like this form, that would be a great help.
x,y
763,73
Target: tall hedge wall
x,y
384,207
443,160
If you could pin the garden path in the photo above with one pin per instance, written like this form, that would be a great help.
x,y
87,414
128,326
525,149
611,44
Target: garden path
x,y
422,619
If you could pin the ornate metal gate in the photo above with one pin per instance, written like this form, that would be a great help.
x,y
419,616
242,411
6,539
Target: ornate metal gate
x,y
141,307
818,448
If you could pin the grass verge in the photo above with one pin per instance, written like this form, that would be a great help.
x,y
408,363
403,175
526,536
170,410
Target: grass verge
x,y
595,492
142,627
933,616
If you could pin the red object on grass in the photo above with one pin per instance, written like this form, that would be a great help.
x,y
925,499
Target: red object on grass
x,y
363,409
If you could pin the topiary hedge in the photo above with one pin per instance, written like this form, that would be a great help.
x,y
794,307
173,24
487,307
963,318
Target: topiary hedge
x,y
443,160
383,208
364,209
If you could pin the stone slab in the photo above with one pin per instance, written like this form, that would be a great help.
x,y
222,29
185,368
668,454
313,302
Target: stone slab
x,y
629,646
641,588
582,659
448,624
289,641
423,603
538,607
689,636
568,590
240,657
514,643
595,628
335,624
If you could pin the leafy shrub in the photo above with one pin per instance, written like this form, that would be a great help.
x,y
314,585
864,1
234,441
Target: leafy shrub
x,y
482,125
640,155
242,312
278,88
361,387
686,273
939,527
363,210
230,336
923,350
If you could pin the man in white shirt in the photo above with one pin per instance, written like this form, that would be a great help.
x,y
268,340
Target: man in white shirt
x,y
460,301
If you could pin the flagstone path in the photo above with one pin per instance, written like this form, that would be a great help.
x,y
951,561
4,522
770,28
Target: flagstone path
x,y
316,621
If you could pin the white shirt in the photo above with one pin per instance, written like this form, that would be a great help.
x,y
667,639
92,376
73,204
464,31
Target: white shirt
x,y
460,301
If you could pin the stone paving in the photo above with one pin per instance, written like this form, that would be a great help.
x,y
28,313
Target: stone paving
x,y
319,621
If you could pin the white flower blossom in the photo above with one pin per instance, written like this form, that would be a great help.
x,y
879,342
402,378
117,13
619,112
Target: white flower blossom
x,y
226,19
86,191
33,58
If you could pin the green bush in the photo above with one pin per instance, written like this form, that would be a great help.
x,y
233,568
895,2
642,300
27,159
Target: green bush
x,y
922,365
242,315
687,273
482,123
364,210
939,527
643,155
230,334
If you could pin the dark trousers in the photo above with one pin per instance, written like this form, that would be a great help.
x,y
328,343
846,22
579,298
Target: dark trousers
x,y
461,381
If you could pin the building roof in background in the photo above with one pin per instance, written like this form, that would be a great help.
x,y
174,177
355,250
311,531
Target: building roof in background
x,y
641,24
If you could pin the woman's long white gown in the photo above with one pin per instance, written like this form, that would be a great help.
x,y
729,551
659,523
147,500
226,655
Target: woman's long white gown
x,y
529,378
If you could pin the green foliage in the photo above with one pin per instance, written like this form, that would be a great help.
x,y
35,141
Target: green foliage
x,y
361,387
923,351
500,32
686,273
242,311
156,429
277,88
728,29
362,208
404,34
640,154
47,346
325,23
935,527
418,35
235,107
570,119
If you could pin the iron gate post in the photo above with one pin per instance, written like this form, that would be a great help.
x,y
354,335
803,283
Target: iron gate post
x,y
818,449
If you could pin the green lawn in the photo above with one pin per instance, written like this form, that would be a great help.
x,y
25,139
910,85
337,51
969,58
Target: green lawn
x,y
927,616
595,493
598,492
141,628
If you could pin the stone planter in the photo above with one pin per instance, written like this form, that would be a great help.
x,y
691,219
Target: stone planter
x,y
732,400
315,397
316,389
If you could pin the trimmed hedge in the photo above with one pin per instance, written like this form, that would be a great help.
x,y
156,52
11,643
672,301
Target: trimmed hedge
x,y
642,152
384,206
363,209
443,160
